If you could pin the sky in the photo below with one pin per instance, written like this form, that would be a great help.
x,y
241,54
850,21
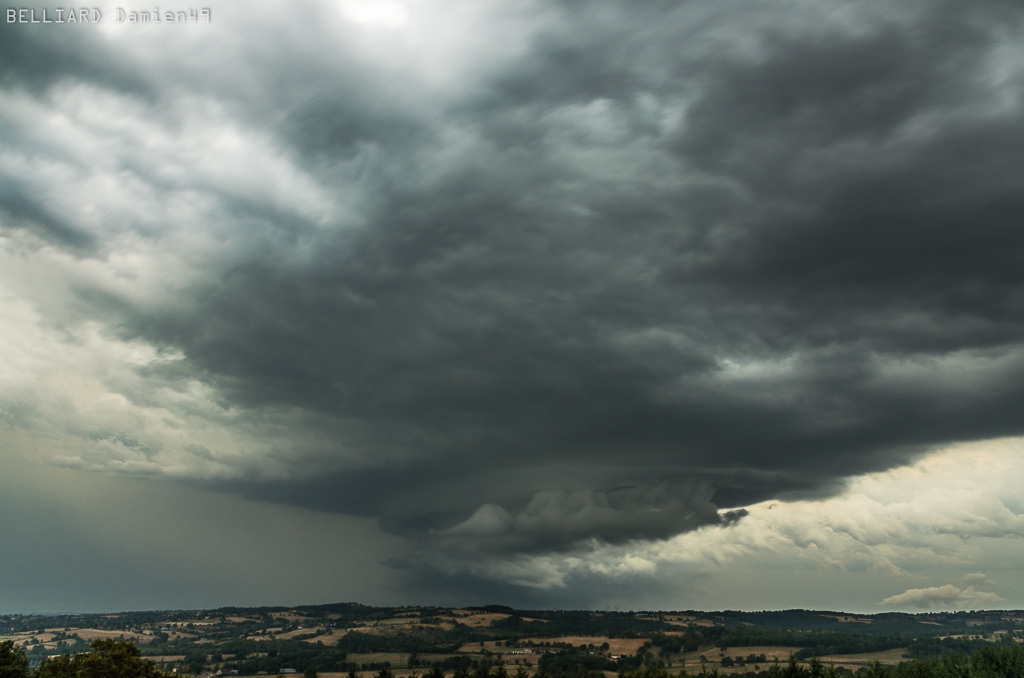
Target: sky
x,y
552,304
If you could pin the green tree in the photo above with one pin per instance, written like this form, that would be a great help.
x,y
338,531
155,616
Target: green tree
x,y
876,670
194,661
705,672
13,662
484,670
109,658
793,670
56,667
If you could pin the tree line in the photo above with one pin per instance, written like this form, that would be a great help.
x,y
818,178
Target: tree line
x,y
108,658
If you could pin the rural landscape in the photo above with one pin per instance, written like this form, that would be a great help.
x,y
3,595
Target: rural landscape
x,y
350,640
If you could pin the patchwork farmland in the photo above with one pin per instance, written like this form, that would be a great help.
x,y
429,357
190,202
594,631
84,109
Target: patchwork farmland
x,y
356,641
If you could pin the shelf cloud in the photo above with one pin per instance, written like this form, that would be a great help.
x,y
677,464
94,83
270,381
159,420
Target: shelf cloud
x,y
516,281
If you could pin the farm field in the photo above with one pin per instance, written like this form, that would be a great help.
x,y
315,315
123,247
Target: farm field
x,y
617,646
476,620
332,640
713,656
392,658
855,661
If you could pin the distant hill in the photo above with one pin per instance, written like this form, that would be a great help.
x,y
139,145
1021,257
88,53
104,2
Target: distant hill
x,y
350,637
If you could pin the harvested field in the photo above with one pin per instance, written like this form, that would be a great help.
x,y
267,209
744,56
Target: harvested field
x,y
477,620
855,661
510,657
714,657
399,673
174,635
615,645
398,621
89,635
682,618
686,621
490,645
298,632
394,658
288,616
329,638
772,653
482,619
843,619
375,629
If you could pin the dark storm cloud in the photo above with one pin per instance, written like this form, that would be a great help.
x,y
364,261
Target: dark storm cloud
x,y
555,520
35,57
20,210
741,266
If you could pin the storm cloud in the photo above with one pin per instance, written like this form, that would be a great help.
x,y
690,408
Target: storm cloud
x,y
517,279
553,520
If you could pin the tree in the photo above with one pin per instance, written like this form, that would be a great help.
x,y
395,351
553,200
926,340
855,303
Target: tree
x,y
876,670
194,661
484,670
56,667
13,662
109,658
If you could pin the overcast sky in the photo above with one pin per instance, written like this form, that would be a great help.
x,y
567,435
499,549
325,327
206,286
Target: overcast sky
x,y
710,304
